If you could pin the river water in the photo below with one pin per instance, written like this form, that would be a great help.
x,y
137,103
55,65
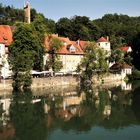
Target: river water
x,y
87,113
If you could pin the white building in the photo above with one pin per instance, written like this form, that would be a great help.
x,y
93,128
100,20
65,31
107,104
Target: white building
x,y
70,54
2,50
121,68
104,44
5,41
126,86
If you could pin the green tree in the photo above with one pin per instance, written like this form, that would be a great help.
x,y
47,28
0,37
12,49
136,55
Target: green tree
x,y
116,42
22,54
78,27
51,26
128,58
116,56
94,62
39,28
64,27
54,61
136,51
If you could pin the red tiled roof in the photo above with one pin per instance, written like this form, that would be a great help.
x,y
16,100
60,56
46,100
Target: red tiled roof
x,y
102,39
1,39
65,40
124,48
82,44
65,48
5,35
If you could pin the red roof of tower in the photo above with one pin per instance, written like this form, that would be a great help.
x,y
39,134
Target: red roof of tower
x,y
102,39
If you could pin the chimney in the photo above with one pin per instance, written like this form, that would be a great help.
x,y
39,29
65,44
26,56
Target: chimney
x,y
107,38
78,42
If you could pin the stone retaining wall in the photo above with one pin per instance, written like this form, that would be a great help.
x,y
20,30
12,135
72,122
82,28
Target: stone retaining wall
x,y
107,78
52,82
43,82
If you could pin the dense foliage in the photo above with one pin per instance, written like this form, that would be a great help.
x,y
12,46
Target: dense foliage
x,y
135,75
10,15
121,29
23,52
93,62
54,62
39,29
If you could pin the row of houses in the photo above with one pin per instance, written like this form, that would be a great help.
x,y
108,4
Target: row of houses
x,y
70,53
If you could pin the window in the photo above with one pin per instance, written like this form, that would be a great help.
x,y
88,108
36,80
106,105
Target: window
x,y
72,49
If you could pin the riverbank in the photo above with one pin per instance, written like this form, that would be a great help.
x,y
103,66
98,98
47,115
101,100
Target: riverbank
x,y
42,84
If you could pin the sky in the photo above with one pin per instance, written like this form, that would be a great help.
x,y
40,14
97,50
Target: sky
x,y
56,9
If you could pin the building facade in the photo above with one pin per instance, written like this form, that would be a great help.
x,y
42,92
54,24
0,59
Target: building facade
x,y
104,44
5,41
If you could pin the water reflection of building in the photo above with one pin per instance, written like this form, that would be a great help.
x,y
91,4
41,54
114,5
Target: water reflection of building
x,y
126,86
72,100
68,107
107,111
5,105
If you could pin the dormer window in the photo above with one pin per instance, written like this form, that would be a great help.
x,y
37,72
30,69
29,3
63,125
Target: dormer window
x,y
72,49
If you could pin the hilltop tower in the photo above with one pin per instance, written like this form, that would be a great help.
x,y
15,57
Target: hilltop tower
x,y
27,12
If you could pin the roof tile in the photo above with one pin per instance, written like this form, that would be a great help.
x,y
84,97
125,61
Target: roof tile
x,y
5,35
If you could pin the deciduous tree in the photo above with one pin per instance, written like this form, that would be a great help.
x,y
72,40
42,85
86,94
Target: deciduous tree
x,y
54,61
22,54
94,61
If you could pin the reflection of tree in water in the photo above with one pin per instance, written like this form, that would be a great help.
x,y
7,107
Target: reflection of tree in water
x,y
121,111
87,114
1,113
136,104
108,108
27,118
117,104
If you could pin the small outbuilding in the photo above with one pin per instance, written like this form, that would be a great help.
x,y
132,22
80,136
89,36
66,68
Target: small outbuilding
x,y
121,68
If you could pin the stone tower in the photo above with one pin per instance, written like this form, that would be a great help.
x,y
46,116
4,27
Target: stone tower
x,y
27,12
